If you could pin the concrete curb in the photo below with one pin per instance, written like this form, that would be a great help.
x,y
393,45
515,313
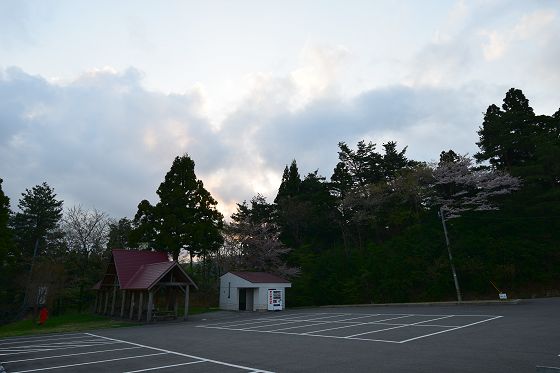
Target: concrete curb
x,y
428,304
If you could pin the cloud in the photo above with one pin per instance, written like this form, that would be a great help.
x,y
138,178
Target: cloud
x,y
102,140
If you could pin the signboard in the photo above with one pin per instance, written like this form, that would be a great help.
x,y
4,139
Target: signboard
x,y
503,296
274,300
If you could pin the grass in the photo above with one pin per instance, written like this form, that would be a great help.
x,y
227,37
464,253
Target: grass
x,y
72,322
75,322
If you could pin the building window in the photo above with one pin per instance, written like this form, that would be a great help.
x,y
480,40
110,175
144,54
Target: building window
x,y
229,290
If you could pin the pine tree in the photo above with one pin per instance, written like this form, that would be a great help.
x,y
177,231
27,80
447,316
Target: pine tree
x,y
185,218
5,232
37,224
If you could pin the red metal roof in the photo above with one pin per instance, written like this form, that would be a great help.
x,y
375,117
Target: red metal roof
x,y
260,277
127,262
148,274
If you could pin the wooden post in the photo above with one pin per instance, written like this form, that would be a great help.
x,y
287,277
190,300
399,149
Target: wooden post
x,y
96,302
140,303
176,306
123,302
186,302
131,305
113,301
150,306
106,302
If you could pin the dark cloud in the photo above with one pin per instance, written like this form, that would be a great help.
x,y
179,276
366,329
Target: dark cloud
x,y
104,141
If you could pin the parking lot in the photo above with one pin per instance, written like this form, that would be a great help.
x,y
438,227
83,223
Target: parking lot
x,y
466,338
377,327
88,352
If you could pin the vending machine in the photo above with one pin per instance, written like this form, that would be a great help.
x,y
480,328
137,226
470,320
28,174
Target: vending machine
x,y
274,300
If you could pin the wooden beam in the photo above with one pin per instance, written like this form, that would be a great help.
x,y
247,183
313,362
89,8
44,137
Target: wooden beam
x,y
140,304
131,305
172,283
113,301
106,301
150,306
96,301
123,302
186,302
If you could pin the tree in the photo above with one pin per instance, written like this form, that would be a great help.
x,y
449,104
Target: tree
x,y
505,135
86,234
86,231
291,182
459,187
37,224
5,231
254,242
119,233
516,140
185,218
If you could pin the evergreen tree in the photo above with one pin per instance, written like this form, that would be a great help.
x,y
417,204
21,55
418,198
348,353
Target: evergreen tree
x,y
5,231
37,224
119,232
185,218
291,182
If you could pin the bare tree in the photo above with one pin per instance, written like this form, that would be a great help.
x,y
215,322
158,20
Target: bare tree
x,y
87,234
86,231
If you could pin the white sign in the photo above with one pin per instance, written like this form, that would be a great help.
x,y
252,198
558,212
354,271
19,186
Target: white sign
x,y
274,300
503,296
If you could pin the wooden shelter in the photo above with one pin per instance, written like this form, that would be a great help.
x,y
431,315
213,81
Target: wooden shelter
x,y
142,285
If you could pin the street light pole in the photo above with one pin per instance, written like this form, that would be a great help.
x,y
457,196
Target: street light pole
x,y
453,271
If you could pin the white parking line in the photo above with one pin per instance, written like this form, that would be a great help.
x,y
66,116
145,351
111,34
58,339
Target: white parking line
x,y
397,327
317,321
348,326
90,362
166,366
444,331
54,349
291,322
185,355
39,340
79,353
332,322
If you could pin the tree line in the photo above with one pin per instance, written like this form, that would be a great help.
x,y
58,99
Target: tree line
x,y
382,228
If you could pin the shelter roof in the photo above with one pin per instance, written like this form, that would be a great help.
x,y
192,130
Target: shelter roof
x,y
260,277
148,274
127,262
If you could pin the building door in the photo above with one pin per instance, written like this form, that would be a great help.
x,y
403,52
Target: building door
x,y
242,299
249,302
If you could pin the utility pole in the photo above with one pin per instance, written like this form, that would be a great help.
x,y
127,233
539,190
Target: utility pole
x,y
453,271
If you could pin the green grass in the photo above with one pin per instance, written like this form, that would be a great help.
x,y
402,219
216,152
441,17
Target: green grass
x,y
75,322
71,322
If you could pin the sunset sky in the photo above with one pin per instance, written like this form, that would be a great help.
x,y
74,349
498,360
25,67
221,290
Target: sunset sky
x,y
98,97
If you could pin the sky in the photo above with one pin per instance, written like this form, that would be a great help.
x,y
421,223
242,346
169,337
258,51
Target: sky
x,y
98,97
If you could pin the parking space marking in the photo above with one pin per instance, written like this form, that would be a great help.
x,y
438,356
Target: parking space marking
x,y
396,327
19,351
39,363
165,366
27,340
309,320
185,355
89,363
65,355
449,330
347,326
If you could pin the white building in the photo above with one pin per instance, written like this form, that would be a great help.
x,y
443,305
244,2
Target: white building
x,y
252,291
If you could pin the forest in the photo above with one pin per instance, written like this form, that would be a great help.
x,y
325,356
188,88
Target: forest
x,y
382,228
